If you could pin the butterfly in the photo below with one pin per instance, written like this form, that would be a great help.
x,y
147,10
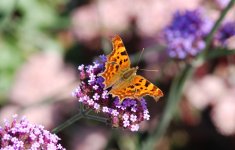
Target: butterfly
x,y
123,79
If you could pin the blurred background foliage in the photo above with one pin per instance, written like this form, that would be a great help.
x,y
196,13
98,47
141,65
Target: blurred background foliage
x,y
43,41
26,27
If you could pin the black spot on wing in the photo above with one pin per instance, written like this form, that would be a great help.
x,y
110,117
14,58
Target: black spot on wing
x,y
154,89
146,84
124,53
117,67
120,45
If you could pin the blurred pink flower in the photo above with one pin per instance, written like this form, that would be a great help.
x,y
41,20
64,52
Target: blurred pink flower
x,y
231,42
150,16
114,15
8,110
223,113
105,17
44,75
214,91
215,13
35,114
153,15
90,138
100,17
85,22
205,91
222,3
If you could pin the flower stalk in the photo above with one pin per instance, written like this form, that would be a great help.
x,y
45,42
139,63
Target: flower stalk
x,y
82,114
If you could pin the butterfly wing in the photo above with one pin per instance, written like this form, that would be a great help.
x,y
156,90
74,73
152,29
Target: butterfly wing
x,y
118,61
136,87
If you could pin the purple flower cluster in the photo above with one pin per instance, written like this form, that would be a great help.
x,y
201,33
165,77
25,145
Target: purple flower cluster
x,y
20,135
226,31
91,93
185,35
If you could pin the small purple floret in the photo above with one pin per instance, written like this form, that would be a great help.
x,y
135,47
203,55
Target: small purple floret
x,y
226,31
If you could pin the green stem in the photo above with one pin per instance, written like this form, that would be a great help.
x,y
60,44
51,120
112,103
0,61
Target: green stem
x,y
177,87
68,123
81,108
220,52
82,114
97,118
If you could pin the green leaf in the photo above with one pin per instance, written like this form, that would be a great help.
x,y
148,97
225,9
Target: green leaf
x,y
220,53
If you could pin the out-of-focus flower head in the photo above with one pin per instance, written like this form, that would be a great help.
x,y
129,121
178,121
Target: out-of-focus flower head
x,y
226,31
88,134
222,3
92,20
223,114
210,89
151,15
21,134
185,35
31,85
127,114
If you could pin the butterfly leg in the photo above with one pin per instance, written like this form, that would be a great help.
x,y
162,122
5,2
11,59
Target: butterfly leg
x,y
112,63
117,84
135,93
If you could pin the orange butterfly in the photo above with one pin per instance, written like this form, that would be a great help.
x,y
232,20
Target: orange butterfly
x,y
122,78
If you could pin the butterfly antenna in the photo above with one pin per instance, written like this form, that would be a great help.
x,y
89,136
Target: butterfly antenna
x,y
140,56
149,70
139,61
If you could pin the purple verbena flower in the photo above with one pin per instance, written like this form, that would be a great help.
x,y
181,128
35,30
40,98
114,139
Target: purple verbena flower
x,y
19,135
128,114
134,127
126,123
226,31
185,35
97,106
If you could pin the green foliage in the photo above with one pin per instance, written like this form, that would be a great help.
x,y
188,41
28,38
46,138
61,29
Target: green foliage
x,y
24,27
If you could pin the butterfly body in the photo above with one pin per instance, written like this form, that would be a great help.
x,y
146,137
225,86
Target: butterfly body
x,y
123,79
129,73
